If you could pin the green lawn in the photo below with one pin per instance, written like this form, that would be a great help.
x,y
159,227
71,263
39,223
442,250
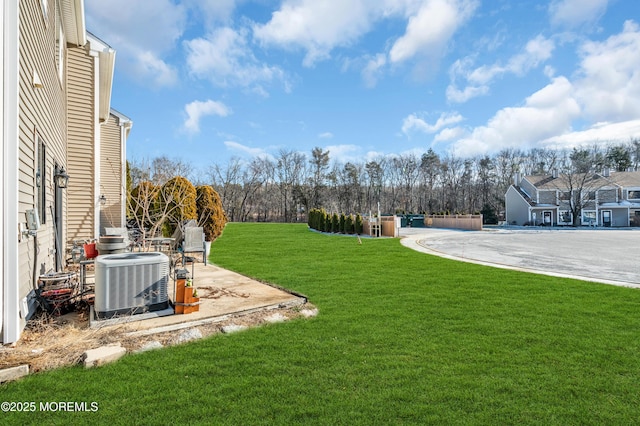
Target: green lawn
x,y
402,337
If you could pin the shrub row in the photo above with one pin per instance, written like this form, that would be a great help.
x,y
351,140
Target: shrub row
x,y
322,221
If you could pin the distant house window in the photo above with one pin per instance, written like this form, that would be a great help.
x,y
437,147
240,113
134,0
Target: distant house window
x,y
565,195
41,180
591,195
589,217
634,195
565,217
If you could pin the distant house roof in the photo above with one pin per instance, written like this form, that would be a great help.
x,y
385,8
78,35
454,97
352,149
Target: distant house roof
x,y
615,179
626,179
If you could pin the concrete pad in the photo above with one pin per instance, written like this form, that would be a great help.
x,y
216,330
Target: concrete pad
x,y
13,373
223,294
102,355
601,255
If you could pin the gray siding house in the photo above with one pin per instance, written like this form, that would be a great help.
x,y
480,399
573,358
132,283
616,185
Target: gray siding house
x,y
610,199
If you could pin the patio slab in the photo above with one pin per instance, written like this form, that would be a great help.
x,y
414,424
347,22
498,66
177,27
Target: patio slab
x,y
222,293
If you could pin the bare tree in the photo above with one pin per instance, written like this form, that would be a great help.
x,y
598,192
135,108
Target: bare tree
x,y
430,168
318,179
289,172
227,182
579,180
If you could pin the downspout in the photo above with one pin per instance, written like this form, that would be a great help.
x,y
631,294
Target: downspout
x,y
124,134
10,303
96,144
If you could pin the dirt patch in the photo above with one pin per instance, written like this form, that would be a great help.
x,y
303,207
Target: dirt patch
x,y
51,342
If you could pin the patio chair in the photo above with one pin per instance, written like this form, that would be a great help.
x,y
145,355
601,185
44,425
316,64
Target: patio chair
x,y
194,242
120,232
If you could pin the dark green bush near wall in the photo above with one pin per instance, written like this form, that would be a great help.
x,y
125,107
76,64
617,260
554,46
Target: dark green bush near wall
x,y
359,225
320,220
349,225
335,223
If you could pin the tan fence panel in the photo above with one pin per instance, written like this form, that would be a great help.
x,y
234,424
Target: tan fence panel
x,y
389,227
469,222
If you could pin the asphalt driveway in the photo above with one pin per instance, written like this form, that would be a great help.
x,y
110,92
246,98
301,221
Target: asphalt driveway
x,y
611,256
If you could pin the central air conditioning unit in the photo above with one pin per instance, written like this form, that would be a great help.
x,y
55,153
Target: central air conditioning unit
x,y
131,283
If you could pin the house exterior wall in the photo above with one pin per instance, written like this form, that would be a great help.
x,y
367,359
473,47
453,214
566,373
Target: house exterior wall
x,y
111,174
42,116
80,145
619,217
517,208
528,188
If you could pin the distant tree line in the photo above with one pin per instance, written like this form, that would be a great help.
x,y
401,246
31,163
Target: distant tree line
x,y
285,187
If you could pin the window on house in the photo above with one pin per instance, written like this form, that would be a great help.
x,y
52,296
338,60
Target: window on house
x,y
565,195
633,195
41,180
565,217
589,217
591,195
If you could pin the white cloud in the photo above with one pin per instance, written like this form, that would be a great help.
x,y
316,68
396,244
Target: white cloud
x,y
140,34
213,11
450,134
429,30
546,113
605,91
600,132
253,152
478,80
196,110
573,13
326,135
373,69
316,26
414,123
344,153
225,58
609,82
147,65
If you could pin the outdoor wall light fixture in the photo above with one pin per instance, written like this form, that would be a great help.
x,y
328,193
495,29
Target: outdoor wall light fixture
x,y
61,178
103,199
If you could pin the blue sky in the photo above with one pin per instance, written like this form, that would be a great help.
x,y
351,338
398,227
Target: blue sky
x,y
207,80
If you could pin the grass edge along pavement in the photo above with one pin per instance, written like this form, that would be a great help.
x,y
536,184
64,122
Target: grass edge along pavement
x,y
402,337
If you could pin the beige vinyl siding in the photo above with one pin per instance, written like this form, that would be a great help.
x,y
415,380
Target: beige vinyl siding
x,y
111,173
42,112
80,145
